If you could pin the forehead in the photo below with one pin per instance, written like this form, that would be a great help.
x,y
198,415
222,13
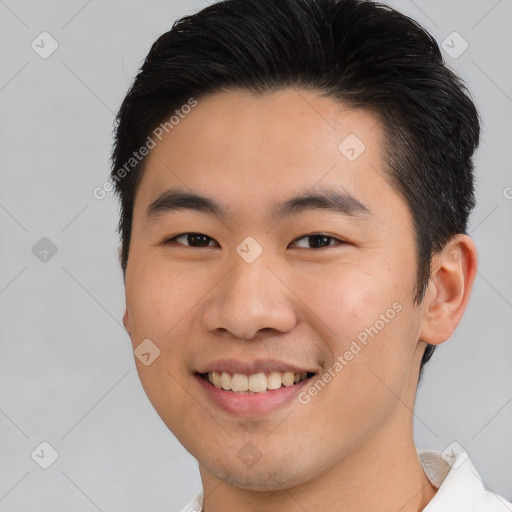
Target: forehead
x,y
289,124
237,145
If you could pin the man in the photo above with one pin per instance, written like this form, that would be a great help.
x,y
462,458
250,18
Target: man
x,y
295,181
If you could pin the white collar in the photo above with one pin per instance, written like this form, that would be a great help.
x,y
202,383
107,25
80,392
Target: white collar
x,y
459,486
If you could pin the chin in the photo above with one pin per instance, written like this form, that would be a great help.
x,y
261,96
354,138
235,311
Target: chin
x,y
260,477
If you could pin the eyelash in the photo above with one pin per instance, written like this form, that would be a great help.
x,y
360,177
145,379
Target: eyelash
x,y
174,238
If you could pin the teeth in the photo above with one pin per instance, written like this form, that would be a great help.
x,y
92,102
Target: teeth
x,y
274,380
288,379
256,383
217,379
225,381
239,382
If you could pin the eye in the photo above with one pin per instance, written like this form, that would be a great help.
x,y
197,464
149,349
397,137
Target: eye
x,y
192,240
317,241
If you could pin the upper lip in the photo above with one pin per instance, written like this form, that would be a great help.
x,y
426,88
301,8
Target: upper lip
x,y
251,367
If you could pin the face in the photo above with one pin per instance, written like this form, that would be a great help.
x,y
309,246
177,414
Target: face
x,y
296,261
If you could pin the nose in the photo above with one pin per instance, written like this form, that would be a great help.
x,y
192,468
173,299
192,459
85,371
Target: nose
x,y
250,299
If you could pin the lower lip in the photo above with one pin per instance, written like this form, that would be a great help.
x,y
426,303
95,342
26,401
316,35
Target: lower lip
x,y
251,404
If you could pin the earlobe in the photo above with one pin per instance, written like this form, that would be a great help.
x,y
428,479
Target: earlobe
x,y
452,275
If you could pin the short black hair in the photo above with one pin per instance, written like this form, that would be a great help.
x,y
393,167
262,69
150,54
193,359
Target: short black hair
x,y
365,54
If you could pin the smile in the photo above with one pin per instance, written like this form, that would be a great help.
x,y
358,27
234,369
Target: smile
x,y
254,383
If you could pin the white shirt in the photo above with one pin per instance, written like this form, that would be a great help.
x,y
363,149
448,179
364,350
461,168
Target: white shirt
x,y
459,487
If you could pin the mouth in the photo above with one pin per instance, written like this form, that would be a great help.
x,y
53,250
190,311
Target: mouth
x,y
253,388
261,382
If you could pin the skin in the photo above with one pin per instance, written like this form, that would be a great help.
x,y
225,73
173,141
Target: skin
x,y
351,448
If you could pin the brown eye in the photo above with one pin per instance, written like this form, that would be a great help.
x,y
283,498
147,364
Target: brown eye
x,y
317,241
193,240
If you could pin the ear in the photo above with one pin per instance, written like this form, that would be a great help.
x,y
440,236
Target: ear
x,y
126,321
453,271
126,318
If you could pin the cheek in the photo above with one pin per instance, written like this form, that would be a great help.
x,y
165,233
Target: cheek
x,y
160,305
366,315
348,299
158,298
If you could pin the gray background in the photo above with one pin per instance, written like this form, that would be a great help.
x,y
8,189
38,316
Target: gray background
x,y
67,374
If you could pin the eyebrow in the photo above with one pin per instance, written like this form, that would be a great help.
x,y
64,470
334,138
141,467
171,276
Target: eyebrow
x,y
330,200
337,202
